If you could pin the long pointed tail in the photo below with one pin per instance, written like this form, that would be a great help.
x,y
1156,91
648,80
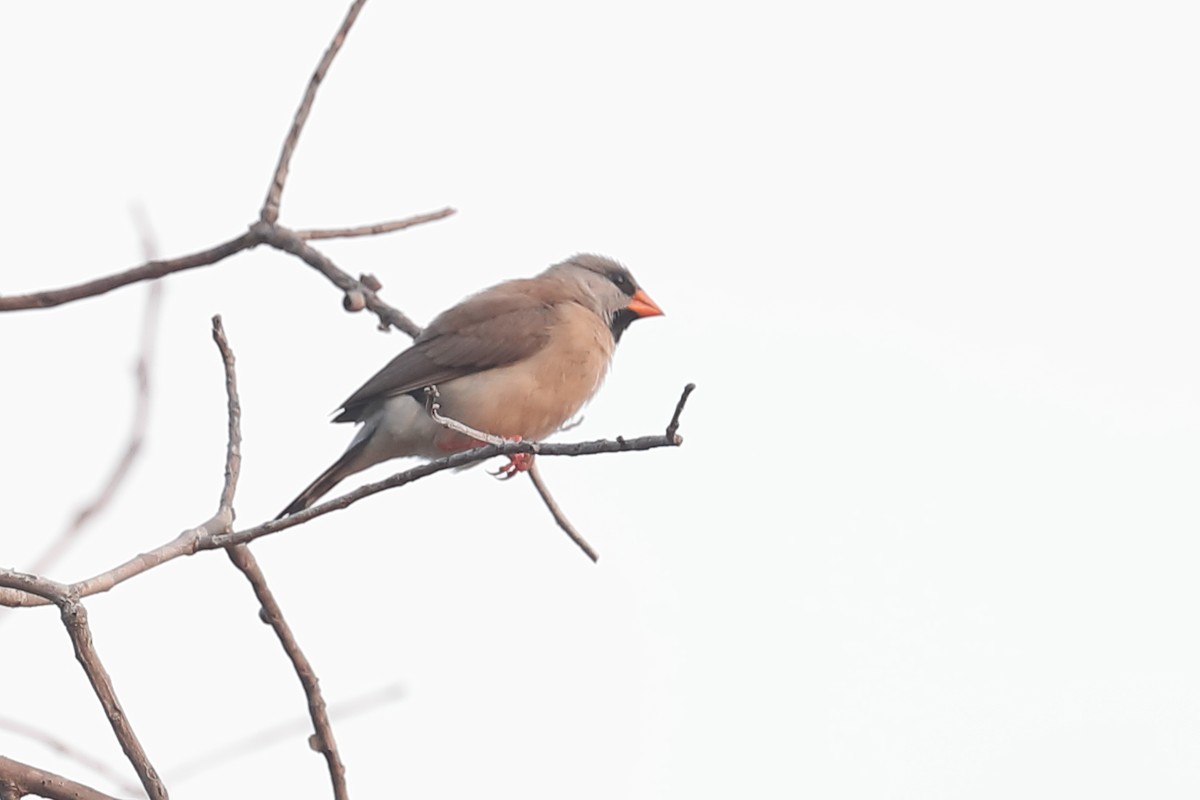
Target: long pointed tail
x,y
331,477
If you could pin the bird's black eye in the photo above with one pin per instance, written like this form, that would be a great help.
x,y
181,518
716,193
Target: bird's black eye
x,y
622,281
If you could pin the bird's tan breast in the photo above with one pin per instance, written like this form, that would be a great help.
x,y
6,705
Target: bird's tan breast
x,y
532,398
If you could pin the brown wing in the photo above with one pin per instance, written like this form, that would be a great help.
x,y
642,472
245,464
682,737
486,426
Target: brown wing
x,y
504,324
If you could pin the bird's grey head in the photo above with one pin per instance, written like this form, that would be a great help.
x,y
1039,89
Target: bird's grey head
x,y
610,288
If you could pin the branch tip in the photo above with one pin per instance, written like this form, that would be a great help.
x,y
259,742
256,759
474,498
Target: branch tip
x,y
535,475
270,209
674,423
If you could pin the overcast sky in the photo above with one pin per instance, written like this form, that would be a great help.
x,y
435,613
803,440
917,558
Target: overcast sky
x,y
932,266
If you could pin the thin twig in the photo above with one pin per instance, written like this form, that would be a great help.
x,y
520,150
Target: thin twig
x,y
270,209
74,616
148,271
244,560
141,412
673,425
185,544
260,233
211,535
273,734
559,516
18,779
75,620
374,230
133,447
462,459
70,752
323,742
289,241
233,442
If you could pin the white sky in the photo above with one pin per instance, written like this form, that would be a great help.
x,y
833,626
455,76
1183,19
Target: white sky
x,y
933,267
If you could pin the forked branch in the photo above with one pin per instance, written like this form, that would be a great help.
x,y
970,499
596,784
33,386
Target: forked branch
x,y
244,560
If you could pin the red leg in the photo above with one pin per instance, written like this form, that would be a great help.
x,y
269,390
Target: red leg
x,y
517,462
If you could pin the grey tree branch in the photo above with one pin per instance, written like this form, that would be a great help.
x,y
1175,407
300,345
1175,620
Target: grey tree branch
x,y
20,589
233,440
323,741
244,560
146,272
270,209
133,447
74,616
75,620
268,736
212,535
673,425
535,475
289,241
376,229
276,236
66,750
18,779
462,459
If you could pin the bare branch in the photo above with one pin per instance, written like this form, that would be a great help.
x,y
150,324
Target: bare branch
x,y
148,271
61,747
290,242
233,447
536,476
18,780
141,413
465,458
244,560
137,436
289,729
34,585
21,589
185,544
673,425
270,209
74,617
212,535
324,742
374,230
277,236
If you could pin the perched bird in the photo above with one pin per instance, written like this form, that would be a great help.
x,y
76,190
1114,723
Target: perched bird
x,y
517,361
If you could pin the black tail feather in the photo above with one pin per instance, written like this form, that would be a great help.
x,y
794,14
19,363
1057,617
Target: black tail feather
x,y
324,482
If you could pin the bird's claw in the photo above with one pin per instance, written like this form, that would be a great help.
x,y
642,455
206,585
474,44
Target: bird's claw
x,y
517,462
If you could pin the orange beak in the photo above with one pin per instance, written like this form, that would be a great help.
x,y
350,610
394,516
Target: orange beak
x,y
643,306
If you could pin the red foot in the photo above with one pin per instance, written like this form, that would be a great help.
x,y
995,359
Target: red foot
x,y
517,462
